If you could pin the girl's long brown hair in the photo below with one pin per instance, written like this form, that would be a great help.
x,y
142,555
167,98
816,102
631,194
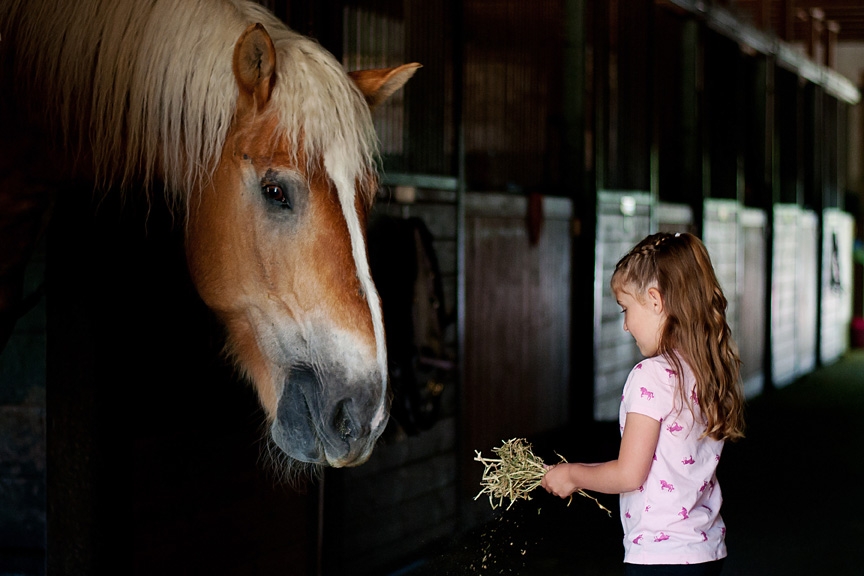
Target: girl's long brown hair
x,y
696,328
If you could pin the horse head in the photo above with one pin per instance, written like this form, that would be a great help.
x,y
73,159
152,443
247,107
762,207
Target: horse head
x,y
276,246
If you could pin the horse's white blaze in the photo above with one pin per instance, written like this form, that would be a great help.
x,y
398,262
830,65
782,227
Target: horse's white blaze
x,y
345,188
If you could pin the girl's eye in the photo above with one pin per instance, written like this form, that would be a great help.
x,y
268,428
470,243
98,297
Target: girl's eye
x,y
275,193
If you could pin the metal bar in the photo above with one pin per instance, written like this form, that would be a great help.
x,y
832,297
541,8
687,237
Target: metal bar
x,y
420,180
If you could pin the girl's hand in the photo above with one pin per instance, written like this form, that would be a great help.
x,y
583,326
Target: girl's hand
x,y
557,480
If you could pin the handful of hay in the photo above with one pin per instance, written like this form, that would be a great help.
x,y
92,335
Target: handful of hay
x,y
515,474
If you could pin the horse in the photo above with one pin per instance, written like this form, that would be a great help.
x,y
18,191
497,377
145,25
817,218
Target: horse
x,y
262,144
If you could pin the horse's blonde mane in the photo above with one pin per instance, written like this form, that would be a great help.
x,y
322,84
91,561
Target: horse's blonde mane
x,y
148,86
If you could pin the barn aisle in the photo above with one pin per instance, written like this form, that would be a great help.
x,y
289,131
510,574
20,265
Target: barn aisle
x,y
787,491
788,487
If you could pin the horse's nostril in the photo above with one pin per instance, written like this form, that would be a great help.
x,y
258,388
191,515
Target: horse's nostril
x,y
345,430
343,423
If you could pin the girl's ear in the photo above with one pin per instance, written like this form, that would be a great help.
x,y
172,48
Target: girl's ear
x,y
655,300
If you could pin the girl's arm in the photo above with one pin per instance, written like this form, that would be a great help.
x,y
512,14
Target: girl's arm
x,y
626,473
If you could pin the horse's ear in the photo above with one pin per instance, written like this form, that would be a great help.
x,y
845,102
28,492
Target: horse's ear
x,y
378,85
254,63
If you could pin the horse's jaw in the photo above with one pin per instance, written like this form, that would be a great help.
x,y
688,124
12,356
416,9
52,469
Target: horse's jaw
x,y
332,424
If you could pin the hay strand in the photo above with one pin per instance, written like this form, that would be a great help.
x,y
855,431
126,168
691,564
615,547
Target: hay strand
x,y
515,473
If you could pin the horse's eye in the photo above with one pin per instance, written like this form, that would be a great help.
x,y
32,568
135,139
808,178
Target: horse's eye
x,y
275,193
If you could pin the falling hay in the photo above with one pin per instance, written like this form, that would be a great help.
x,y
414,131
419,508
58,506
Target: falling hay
x,y
515,474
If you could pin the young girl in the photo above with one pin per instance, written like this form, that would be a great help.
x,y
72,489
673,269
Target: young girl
x,y
678,407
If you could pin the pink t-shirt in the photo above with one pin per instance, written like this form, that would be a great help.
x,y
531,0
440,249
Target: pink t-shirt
x,y
674,517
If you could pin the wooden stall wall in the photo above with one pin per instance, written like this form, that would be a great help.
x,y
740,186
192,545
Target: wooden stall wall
x,y
623,218
807,293
721,232
793,311
783,294
517,340
838,230
836,284
512,106
752,316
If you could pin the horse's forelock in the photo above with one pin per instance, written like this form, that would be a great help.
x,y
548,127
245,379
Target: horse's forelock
x,y
316,99
318,106
150,86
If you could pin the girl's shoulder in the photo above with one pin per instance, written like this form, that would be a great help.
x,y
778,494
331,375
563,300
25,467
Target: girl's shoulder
x,y
649,390
653,375
656,376
653,367
662,366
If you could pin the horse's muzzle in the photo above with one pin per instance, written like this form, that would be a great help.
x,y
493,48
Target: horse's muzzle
x,y
327,422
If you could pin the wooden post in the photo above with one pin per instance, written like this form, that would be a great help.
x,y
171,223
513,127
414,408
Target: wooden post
x,y
786,21
763,15
832,30
814,31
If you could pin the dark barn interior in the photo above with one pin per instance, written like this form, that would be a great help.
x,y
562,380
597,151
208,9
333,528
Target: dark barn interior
x,y
538,142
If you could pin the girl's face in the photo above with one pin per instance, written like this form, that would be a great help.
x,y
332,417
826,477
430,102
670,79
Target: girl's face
x,y
643,319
